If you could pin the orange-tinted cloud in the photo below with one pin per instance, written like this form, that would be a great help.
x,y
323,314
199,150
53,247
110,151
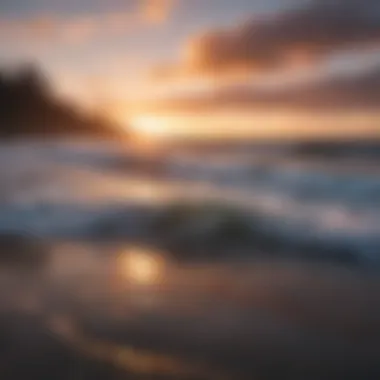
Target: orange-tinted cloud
x,y
77,28
295,37
360,92
156,11
68,29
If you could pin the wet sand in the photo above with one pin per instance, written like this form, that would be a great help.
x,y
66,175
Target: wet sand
x,y
269,320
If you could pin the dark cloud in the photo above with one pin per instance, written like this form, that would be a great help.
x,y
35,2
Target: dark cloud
x,y
299,36
360,92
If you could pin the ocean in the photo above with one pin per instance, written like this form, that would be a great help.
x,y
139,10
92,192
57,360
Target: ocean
x,y
189,261
70,189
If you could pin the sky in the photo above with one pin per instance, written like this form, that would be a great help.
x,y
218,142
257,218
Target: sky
x,y
215,68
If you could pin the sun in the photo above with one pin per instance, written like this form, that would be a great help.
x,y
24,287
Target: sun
x,y
150,125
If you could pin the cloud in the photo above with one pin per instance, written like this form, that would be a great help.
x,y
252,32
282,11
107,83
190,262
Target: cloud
x,y
52,27
299,36
354,92
157,11
79,27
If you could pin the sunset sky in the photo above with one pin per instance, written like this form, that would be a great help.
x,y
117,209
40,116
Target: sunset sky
x,y
273,68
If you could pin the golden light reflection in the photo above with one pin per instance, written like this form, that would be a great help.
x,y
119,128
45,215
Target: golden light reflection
x,y
150,125
141,266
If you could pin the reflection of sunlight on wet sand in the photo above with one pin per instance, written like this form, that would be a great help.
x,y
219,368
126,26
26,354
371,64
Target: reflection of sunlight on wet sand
x,y
126,358
239,301
141,266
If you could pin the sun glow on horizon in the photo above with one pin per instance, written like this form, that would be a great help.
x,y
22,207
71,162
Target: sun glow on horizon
x,y
151,125
153,128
